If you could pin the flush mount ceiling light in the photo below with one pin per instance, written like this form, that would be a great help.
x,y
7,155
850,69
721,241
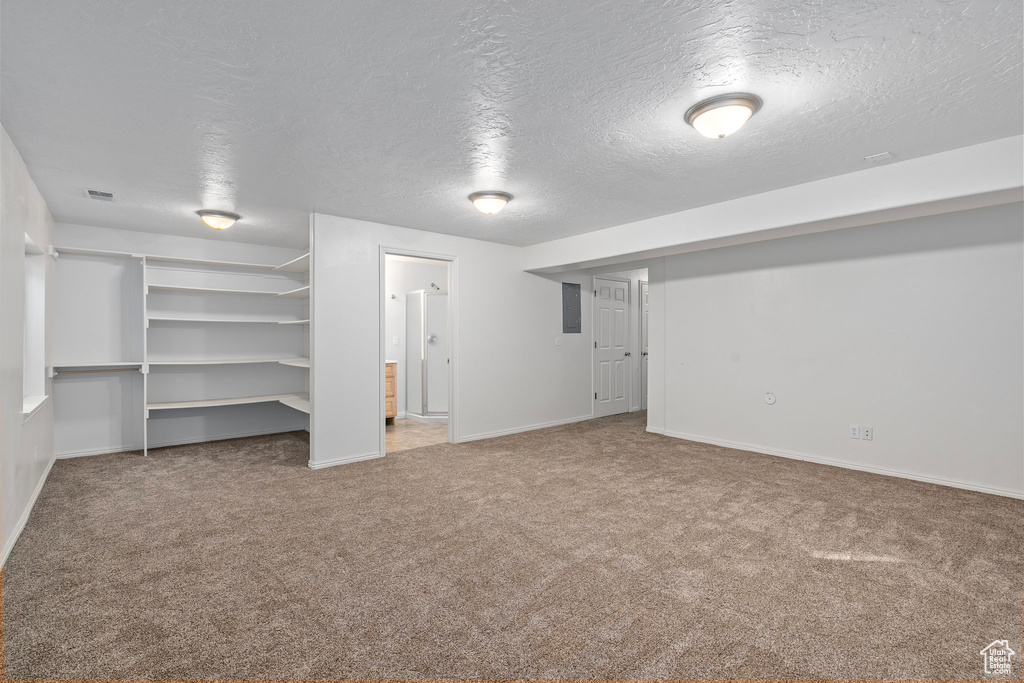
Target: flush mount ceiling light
x,y
218,220
722,115
490,202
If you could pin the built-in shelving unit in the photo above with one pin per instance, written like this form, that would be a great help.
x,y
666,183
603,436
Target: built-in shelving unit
x,y
192,322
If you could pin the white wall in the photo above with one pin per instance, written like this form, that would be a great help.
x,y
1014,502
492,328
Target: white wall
x,y
402,276
26,448
914,328
509,374
99,319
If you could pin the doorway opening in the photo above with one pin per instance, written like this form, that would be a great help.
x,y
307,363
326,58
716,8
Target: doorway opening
x,y
620,342
416,350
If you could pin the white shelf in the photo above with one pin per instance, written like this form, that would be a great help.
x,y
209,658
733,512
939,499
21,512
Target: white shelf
x,y
295,362
231,361
216,290
164,259
300,403
246,321
214,402
209,262
298,265
30,405
299,293
94,364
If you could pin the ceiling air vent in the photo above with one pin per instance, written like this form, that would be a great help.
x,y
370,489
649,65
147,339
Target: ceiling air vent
x,y
100,195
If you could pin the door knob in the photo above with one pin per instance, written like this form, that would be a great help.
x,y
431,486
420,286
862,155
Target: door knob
x,y
643,353
628,353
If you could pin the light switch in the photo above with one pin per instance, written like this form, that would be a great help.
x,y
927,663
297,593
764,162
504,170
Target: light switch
x,y
558,341
395,341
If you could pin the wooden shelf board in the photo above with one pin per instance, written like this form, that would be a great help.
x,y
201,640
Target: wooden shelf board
x,y
297,265
215,402
246,321
295,362
215,290
229,361
300,403
299,293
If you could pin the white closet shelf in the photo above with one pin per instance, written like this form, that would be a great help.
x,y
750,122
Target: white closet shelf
x,y
300,402
164,259
247,321
295,362
216,290
297,265
299,293
214,402
231,361
97,364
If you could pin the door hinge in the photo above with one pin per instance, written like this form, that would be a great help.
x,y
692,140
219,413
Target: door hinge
x,y
595,395
595,345
595,293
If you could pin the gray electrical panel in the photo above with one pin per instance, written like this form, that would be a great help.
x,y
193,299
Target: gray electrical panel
x,y
572,321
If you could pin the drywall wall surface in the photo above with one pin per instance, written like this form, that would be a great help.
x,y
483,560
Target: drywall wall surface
x,y
509,373
913,328
401,277
656,346
26,448
98,300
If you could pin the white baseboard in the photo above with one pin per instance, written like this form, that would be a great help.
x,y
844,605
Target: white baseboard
x,y
23,520
400,416
655,430
343,461
163,444
426,418
527,428
796,455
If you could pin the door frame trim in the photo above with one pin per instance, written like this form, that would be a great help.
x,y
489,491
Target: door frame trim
x,y
640,337
593,339
452,262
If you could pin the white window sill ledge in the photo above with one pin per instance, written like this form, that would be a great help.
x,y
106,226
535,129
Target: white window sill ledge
x,y
30,406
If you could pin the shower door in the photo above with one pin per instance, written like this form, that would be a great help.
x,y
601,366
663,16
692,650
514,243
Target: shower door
x,y
426,383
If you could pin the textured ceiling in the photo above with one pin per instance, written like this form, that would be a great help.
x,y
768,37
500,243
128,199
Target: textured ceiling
x,y
395,111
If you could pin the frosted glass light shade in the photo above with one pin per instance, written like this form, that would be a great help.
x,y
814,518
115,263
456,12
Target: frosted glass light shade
x,y
490,202
218,220
724,115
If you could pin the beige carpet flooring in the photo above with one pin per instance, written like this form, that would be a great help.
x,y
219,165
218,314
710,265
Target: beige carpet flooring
x,y
590,550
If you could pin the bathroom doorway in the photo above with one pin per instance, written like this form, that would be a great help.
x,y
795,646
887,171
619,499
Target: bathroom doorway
x,y
417,351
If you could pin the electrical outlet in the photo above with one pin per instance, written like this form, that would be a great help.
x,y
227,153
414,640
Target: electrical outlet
x,y
867,433
854,432
558,341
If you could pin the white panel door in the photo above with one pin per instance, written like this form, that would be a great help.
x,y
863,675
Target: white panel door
x,y
644,311
611,347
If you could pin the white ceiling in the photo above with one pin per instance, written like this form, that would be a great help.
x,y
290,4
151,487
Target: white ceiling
x,y
395,111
